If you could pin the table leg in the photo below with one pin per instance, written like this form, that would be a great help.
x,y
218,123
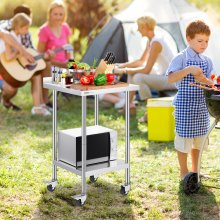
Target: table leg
x,y
54,176
52,184
80,199
96,109
127,186
84,144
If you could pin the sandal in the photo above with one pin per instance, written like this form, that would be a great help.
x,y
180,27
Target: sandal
x,y
11,106
39,110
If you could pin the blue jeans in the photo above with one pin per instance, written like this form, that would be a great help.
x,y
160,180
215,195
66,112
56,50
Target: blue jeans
x,y
1,83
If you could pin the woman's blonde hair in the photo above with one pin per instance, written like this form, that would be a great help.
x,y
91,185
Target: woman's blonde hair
x,y
20,20
147,21
56,4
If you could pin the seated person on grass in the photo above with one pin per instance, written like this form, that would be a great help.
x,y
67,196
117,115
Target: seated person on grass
x,y
149,70
26,40
20,25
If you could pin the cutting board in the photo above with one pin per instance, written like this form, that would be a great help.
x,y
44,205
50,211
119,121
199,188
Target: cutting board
x,y
94,87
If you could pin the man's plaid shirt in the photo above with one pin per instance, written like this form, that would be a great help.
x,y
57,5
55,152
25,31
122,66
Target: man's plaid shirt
x,y
26,39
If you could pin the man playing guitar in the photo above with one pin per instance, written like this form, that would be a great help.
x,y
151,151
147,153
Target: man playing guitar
x,y
9,91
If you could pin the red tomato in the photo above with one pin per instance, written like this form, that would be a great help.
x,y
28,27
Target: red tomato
x,y
74,66
218,79
85,80
91,78
212,76
110,77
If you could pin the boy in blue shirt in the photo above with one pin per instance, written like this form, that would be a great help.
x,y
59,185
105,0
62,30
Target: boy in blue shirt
x,y
191,114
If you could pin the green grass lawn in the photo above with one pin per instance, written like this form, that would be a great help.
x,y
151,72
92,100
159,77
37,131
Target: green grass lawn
x,y
26,158
26,161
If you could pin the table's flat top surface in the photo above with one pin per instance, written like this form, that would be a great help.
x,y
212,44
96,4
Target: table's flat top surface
x,y
81,90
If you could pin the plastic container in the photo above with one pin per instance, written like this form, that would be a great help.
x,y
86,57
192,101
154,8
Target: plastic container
x,y
161,122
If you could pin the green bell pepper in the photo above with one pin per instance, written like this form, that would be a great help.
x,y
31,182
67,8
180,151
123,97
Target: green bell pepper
x,y
100,79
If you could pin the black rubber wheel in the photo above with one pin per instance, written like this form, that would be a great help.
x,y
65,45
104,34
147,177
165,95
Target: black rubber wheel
x,y
190,183
122,191
50,188
78,202
93,179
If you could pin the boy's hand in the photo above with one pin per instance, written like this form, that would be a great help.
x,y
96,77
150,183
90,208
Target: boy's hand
x,y
202,79
199,75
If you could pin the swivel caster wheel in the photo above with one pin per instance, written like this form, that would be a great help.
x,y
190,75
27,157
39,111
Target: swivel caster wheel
x,y
124,190
93,179
78,202
50,188
190,183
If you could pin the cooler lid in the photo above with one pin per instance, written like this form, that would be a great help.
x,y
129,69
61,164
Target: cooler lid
x,y
160,102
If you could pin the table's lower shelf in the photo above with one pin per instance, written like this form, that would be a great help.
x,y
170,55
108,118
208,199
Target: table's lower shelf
x,y
95,169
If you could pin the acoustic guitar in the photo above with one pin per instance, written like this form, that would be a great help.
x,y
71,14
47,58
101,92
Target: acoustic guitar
x,y
18,71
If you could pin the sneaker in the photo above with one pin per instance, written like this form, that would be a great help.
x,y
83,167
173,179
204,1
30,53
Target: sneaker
x,y
44,106
39,110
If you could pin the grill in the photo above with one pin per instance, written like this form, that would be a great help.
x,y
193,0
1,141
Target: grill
x,y
213,102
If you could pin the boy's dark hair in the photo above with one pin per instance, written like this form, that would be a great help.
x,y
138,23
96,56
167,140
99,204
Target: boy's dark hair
x,y
22,9
197,27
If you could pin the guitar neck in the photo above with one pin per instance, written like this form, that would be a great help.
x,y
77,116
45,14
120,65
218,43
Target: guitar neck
x,y
40,56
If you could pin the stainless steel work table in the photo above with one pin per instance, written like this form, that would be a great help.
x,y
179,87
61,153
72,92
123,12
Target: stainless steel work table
x,y
92,171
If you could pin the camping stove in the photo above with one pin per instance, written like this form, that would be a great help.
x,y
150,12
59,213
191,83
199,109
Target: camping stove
x,y
192,180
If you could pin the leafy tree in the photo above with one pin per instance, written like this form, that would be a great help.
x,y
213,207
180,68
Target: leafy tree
x,y
85,16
